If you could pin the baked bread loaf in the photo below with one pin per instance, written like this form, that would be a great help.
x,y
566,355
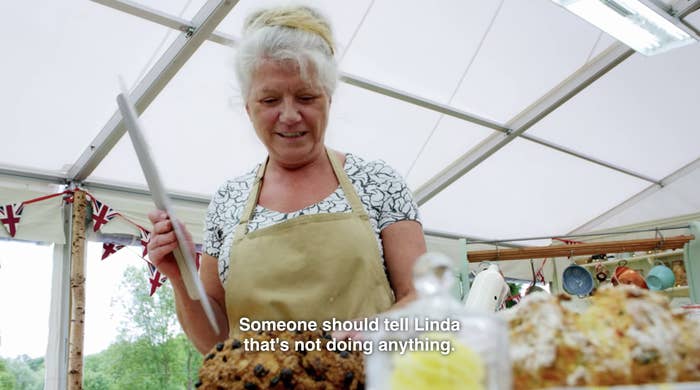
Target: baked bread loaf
x,y
626,336
230,366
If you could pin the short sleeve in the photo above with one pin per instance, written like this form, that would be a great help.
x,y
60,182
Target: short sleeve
x,y
398,203
214,226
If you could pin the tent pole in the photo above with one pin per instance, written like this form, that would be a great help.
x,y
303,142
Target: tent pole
x,y
179,24
56,356
557,96
160,74
639,197
77,289
691,261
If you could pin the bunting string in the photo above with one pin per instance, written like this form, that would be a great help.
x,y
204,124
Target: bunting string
x,y
102,214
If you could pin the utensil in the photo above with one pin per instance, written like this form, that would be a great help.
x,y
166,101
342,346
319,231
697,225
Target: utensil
x,y
576,280
619,270
679,272
533,287
660,277
183,256
629,276
601,272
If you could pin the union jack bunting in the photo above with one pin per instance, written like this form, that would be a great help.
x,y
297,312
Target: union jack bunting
x,y
155,278
101,214
110,249
145,238
10,215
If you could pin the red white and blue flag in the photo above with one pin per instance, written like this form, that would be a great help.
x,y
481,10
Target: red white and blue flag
x,y
101,214
154,277
10,215
145,238
109,248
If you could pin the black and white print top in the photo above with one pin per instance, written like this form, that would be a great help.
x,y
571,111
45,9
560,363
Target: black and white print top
x,y
382,191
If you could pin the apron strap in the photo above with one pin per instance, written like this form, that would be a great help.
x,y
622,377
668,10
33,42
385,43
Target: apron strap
x,y
252,201
343,179
347,186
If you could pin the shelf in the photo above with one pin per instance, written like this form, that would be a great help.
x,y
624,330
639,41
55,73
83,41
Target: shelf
x,y
676,292
634,259
590,248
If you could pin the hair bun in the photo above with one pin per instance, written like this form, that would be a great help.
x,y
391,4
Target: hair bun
x,y
300,17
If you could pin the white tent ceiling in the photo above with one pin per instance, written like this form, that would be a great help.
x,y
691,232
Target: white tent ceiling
x,y
629,138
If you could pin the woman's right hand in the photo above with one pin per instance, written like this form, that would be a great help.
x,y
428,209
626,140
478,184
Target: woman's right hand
x,y
189,311
162,243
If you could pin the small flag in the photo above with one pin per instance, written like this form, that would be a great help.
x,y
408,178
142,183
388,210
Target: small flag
x,y
155,278
10,215
101,214
145,238
110,249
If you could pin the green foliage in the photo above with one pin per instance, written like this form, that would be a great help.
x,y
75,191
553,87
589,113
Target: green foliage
x,y
514,290
7,378
97,370
150,317
141,365
22,373
151,351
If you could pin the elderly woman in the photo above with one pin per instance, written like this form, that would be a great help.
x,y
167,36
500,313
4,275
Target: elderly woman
x,y
311,233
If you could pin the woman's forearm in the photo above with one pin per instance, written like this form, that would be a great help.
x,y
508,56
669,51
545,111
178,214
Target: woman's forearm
x,y
194,321
403,301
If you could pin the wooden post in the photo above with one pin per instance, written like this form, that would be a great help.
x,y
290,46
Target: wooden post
x,y
77,292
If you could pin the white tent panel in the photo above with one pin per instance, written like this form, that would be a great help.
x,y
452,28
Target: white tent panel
x,y
676,199
185,9
197,129
345,16
527,190
418,47
59,74
533,45
134,210
54,111
181,126
604,41
642,115
40,221
451,139
694,20
374,126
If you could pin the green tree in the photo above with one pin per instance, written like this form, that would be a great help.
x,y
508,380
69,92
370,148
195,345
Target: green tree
x,y
98,373
7,378
151,351
27,373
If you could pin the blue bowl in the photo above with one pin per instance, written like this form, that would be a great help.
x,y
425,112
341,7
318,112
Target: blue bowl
x,y
576,280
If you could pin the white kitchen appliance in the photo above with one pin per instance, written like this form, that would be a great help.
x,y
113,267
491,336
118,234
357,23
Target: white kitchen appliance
x,y
488,291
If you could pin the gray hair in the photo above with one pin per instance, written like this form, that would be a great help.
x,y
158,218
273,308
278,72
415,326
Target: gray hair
x,y
299,35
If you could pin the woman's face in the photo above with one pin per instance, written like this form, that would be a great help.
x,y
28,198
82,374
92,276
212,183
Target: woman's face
x,y
289,113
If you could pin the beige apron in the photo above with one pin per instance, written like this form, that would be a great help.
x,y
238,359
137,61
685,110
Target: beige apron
x,y
313,267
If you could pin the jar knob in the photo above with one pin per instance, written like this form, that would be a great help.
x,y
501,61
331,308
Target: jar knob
x,y
434,274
